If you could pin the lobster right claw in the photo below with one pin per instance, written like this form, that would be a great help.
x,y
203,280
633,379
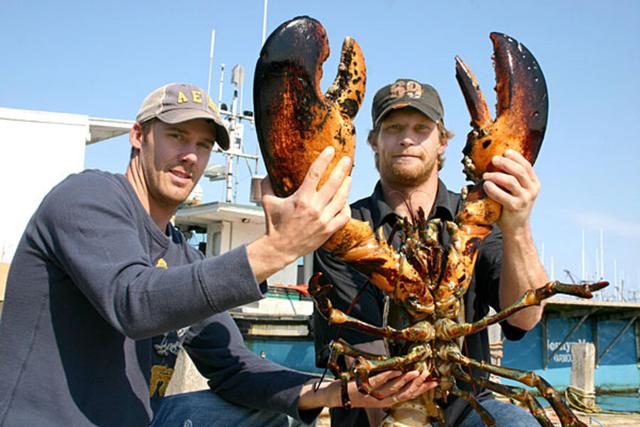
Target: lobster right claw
x,y
521,111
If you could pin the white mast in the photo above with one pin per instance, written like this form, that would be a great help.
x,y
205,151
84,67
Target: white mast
x,y
220,83
234,117
264,22
213,41
601,253
583,254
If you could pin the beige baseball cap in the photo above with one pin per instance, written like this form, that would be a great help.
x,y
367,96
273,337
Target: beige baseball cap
x,y
179,102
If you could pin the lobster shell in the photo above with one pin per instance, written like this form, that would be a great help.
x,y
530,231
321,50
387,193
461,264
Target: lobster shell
x,y
295,121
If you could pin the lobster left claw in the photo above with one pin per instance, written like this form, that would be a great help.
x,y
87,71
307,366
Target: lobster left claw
x,y
521,111
294,120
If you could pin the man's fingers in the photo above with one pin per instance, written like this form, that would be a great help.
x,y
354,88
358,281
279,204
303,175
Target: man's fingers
x,y
396,387
514,164
383,378
516,157
267,195
340,220
265,187
413,382
427,385
499,195
395,384
417,390
337,205
378,382
415,387
508,183
420,382
335,181
317,169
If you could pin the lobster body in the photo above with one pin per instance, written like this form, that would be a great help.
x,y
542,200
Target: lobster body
x,y
426,282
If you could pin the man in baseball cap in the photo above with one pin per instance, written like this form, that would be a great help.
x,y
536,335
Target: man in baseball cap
x,y
409,140
180,102
115,280
407,94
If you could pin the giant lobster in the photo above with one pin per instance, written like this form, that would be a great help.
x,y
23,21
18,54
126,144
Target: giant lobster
x,y
295,121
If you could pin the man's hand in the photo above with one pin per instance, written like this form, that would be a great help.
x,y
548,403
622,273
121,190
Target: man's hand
x,y
515,186
393,385
302,222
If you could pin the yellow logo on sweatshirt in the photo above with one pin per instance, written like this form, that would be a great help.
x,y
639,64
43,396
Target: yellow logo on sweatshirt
x,y
161,263
160,377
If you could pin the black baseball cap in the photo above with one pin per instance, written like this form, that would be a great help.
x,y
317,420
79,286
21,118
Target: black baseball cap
x,y
407,93
180,102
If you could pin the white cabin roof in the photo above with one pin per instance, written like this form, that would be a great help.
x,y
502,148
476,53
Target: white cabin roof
x,y
208,213
100,128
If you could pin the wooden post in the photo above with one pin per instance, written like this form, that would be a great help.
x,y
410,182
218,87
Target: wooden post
x,y
583,370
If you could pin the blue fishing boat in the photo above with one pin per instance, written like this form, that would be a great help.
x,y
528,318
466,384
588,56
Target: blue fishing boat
x,y
613,327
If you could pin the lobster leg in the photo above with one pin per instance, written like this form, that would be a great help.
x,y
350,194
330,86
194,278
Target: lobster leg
x,y
446,330
567,418
486,417
421,331
516,393
462,254
341,348
362,368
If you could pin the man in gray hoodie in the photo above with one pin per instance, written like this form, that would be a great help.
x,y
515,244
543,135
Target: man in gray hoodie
x,y
103,290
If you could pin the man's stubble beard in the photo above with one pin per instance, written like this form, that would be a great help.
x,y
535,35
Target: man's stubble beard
x,y
398,175
159,182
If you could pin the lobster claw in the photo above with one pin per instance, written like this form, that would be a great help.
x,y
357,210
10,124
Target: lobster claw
x,y
521,111
295,121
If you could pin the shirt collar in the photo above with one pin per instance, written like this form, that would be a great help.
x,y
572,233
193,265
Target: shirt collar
x,y
444,208
381,212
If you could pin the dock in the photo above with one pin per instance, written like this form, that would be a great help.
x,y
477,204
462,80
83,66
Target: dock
x,y
591,420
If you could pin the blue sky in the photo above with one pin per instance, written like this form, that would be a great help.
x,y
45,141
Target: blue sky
x,y
102,58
